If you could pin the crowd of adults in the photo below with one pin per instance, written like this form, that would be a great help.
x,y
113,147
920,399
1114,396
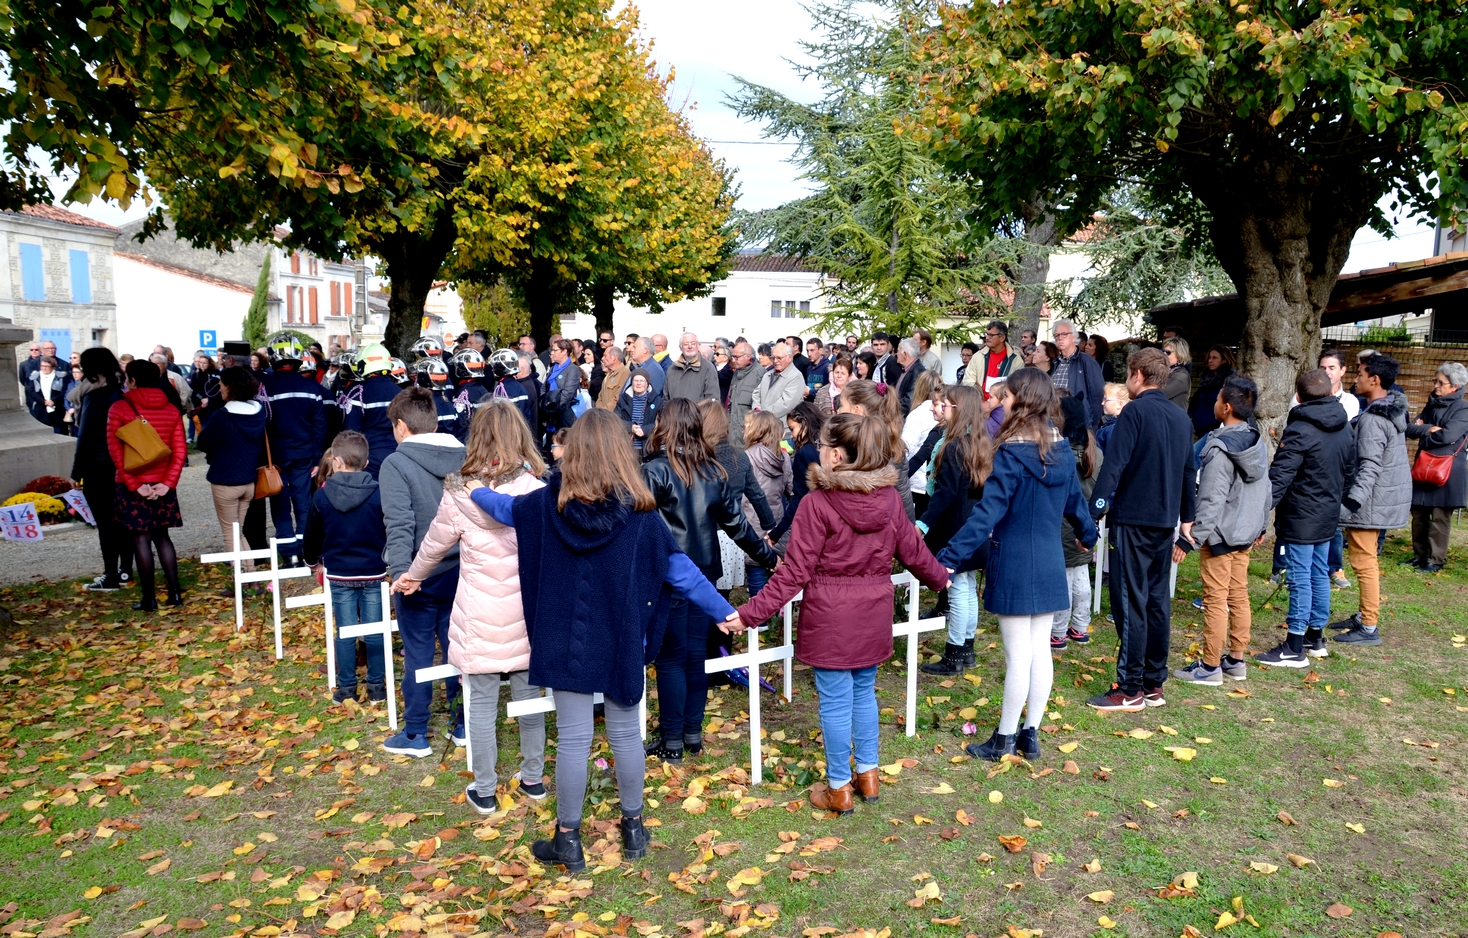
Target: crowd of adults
x,y
561,519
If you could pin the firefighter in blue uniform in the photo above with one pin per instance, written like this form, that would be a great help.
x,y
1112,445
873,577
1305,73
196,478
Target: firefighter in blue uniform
x,y
467,367
297,428
433,374
505,363
364,407
311,368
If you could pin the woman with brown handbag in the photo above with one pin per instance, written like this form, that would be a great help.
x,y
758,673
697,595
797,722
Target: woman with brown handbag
x,y
145,438
1441,432
233,439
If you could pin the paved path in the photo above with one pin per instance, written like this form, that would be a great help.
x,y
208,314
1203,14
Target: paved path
x,y
66,555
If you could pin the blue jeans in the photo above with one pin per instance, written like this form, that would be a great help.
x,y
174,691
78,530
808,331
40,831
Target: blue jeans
x,y
848,709
683,687
1336,560
756,577
295,495
1309,583
963,607
354,604
423,625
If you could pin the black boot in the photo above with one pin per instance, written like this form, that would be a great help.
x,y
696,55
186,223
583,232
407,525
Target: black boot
x,y
994,749
175,598
968,654
634,837
146,605
665,752
952,662
564,849
1027,743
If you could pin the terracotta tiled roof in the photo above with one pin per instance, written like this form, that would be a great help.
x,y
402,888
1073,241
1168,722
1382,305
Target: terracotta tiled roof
x,y
213,281
773,263
65,217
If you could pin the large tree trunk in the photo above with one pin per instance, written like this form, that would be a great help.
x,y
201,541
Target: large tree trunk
x,y
413,259
603,305
1282,231
1032,269
544,294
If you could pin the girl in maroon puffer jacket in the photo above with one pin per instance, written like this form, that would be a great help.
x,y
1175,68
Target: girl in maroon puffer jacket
x,y
845,534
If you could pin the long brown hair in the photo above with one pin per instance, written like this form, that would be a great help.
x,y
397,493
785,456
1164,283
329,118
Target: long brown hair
x,y
678,434
965,436
500,445
599,464
1033,410
862,441
762,427
878,401
715,421
809,419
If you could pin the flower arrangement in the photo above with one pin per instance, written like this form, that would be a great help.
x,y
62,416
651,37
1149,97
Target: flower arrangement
x,y
49,485
49,509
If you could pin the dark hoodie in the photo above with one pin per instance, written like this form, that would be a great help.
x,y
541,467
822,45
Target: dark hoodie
x,y
1312,471
344,528
412,486
1233,489
234,440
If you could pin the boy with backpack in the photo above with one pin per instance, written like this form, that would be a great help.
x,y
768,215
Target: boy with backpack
x,y
1310,475
1233,512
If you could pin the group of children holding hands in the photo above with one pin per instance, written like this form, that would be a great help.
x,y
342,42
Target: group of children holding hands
x,y
578,578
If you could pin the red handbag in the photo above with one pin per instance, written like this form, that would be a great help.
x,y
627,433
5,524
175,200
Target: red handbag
x,y
1435,468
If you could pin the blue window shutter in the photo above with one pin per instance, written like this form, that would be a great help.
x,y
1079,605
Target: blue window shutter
x,y
81,277
32,280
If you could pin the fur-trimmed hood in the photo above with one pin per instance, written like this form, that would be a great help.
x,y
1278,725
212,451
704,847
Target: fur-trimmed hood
x,y
861,495
819,477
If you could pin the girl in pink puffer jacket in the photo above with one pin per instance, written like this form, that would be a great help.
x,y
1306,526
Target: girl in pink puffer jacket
x,y
487,637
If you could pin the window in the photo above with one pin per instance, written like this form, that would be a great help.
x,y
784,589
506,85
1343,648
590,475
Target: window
x,y
790,308
805,309
719,306
32,278
313,306
776,310
81,277
295,262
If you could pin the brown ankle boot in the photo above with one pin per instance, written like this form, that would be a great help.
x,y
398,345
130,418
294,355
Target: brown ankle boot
x,y
833,799
868,785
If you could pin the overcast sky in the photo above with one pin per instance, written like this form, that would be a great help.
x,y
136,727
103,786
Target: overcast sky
x,y
705,44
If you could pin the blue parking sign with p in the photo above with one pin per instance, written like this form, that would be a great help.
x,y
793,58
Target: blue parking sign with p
x,y
208,339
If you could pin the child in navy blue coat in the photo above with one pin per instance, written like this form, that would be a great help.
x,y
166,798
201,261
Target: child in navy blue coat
x,y
1033,485
345,534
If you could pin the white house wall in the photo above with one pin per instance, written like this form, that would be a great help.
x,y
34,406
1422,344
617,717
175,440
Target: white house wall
x,y
157,307
747,297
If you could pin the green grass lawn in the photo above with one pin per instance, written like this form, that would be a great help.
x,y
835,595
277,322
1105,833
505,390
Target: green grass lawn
x,y
167,775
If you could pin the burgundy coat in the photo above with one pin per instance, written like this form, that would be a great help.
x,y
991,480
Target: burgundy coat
x,y
845,534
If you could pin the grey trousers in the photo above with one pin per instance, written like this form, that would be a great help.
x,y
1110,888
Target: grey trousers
x,y
575,723
484,714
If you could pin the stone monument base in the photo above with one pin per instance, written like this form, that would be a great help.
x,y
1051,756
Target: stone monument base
x,y
28,448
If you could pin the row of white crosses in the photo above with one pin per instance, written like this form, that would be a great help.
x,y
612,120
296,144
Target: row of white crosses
x,y
273,575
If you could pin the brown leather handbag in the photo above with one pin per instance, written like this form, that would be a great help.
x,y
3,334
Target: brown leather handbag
x,y
267,477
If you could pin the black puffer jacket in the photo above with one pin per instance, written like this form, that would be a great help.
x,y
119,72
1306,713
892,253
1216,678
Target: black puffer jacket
x,y
742,481
694,514
954,496
1312,470
1450,413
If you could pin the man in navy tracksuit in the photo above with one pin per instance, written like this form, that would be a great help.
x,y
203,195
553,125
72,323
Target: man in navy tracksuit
x,y
297,429
364,408
505,364
1146,485
433,375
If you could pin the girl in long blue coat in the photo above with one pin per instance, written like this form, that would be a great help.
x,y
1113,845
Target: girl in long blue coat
x,y
1033,485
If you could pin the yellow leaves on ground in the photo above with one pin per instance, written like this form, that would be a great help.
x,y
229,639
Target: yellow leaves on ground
x,y
1139,733
1167,730
695,805
427,782
973,679
749,876
342,919
942,788
1299,861
1106,921
1069,747
217,790
1150,805
1286,819
1093,867
968,713
1182,753
919,820
894,769
1101,897
1259,866
963,817
92,892
1358,828
160,866
929,892
1334,783
1033,824
995,797
1014,843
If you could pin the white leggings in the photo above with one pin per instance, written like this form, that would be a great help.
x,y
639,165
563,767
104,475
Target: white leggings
x,y
1028,669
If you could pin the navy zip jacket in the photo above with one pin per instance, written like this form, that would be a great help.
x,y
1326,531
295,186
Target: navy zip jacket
x,y
344,528
234,440
365,410
511,389
448,415
1149,478
297,416
596,581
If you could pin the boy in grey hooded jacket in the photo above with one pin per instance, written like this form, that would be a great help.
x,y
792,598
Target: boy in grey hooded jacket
x,y
1233,511
1380,496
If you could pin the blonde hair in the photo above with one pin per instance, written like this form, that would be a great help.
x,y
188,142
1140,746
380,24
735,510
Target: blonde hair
x,y
500,446
879,402
763,427
928,384
599,463
1118,391
862,441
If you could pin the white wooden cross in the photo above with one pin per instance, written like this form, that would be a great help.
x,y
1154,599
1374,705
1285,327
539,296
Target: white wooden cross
x,y
546,703
911,629
235,557
385,628
1100,566
322,599
443,672
751,660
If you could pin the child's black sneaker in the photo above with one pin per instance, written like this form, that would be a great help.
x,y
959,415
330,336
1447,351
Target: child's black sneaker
x,y
1354,622
1154,698
344,693
1360,635
376,693
1117,699
1077,638
1234,668
481,803
1315,644
1281,656
663,751
533,790
1058,643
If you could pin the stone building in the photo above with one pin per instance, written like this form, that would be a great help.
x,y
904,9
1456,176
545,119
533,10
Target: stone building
x,y
57,277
